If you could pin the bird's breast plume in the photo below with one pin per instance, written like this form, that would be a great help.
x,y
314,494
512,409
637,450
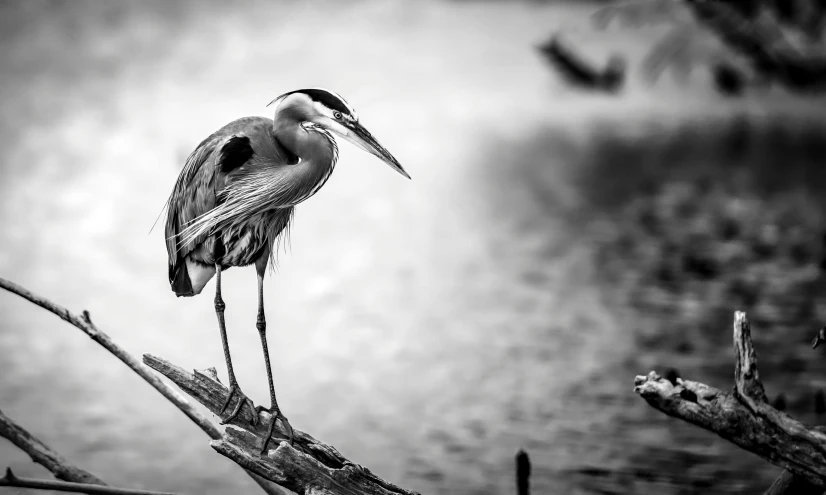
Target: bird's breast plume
x,y
249,195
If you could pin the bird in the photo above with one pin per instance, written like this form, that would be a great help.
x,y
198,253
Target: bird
x,y
234,200
580,73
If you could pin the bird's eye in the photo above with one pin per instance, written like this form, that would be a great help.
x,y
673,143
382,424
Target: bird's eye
x,y
337,115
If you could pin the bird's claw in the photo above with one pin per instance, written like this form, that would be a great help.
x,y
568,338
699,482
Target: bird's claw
x,y
242,399
276,414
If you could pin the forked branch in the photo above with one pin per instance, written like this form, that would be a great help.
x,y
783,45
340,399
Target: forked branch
x,y
744,417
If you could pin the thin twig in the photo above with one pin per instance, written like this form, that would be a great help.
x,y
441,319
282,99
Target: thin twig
x,y
68,486
43,455
84,323
819,338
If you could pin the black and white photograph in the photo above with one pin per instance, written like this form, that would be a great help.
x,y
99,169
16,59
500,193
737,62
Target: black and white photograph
x,y
413,247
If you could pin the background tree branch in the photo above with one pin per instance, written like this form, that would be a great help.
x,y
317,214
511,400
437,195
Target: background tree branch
x,y
69,486
745,43
84,323
306,467
43,455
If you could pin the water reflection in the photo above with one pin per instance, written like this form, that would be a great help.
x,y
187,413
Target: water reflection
x,y
428,329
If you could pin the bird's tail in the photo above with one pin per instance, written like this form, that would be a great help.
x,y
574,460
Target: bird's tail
x,y
179,279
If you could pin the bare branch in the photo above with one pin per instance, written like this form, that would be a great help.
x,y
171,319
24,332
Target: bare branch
x,y
772,435
84,323
746,377
43,455
819,338
578,72
306,467
68,486
744,417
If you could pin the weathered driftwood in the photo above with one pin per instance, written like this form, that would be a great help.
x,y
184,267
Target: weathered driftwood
x,y
745,418
69,486
84,323
307,467
43,455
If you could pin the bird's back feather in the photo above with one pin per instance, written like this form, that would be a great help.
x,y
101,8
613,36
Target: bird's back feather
x,y
216,162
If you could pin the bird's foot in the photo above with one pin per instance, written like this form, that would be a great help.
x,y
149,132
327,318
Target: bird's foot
x,y
234,389
276,415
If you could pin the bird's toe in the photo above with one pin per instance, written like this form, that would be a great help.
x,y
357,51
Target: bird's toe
x,y
276,415
242,399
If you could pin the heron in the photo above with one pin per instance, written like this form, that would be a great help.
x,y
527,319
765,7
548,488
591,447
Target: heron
x,y
235,197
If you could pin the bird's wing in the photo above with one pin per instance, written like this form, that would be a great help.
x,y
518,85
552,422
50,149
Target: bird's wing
x,y
272,178
192,196
197,191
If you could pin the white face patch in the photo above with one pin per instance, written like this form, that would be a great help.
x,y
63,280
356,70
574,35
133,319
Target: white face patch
x,y
324,110
351,110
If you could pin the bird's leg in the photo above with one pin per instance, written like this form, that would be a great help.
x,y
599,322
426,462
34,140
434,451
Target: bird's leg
x,y
233,383
274,410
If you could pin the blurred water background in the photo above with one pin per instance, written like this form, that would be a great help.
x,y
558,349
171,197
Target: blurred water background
x,y
550,246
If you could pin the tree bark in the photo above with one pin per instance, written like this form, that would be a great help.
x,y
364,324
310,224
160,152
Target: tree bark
x,y
84,323
307,467
745,418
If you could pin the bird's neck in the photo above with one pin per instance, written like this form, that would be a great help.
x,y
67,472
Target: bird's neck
x,y
317,153
313,145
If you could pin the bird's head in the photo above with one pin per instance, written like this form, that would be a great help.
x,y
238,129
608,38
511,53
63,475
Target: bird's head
x,y
329,111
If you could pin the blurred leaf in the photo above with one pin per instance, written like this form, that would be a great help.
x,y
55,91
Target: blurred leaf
x,y
640,13
675,50
778,51
780,40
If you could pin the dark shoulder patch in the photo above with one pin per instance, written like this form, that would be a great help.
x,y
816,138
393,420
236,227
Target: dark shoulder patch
x,y
236,152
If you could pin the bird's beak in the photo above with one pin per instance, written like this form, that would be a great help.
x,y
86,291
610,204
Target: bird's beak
x,y
362,138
